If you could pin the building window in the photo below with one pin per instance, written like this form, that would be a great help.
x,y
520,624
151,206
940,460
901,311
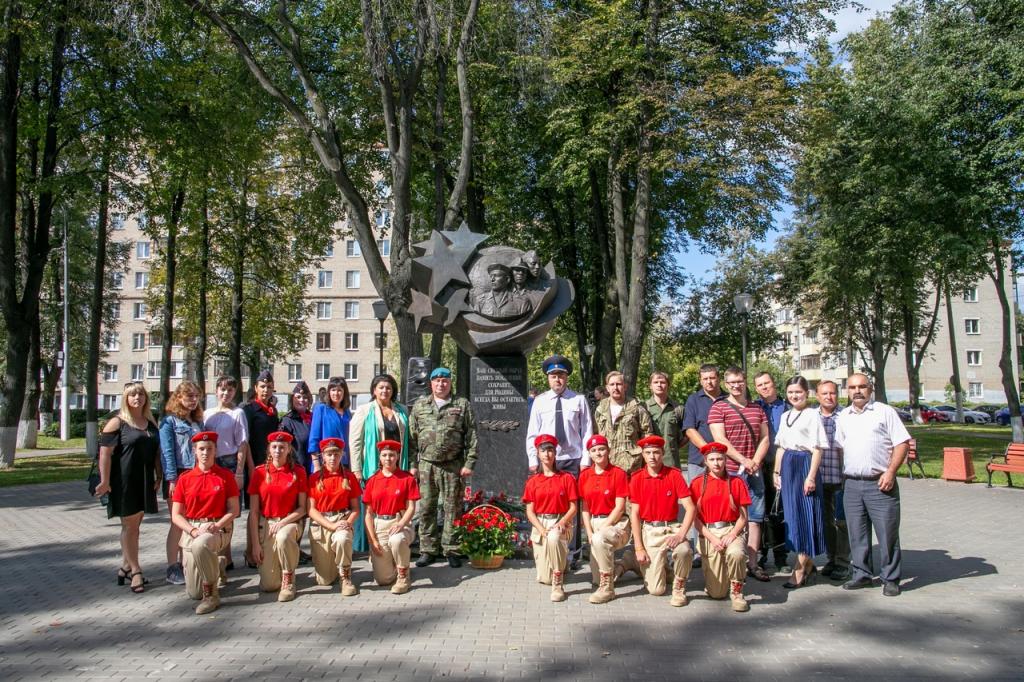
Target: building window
x,y
810,362
138,372
376,369
974,357
975,389
971,295
109,372
383,218
972,325
351,310
153,369
109,402
329,251
138,311
117,280
352,248
177,369
325,279
323,340
141,280
323,310
351,279
220,367
111,342
811,335
380,341
156,338
351,371
294,372
142,250
138,341
785,338
351,341
116,221
385,247
115,310
323,371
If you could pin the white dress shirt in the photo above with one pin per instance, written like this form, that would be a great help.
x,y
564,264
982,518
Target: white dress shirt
x,y
868,437
576,418
801,431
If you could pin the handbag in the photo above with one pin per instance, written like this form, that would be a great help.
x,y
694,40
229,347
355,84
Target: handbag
x,y
93,479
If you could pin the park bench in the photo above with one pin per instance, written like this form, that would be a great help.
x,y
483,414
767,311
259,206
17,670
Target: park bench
x,y
913,459
1013,462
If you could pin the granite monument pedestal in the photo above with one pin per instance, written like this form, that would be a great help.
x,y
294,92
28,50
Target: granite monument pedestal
x,y
497,391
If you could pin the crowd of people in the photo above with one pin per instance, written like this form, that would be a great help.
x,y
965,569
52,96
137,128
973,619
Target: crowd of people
x,y
656,487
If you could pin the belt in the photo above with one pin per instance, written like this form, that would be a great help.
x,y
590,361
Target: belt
x,y
720,524
549,516
387,517
214,520
599,516
658,524
872,477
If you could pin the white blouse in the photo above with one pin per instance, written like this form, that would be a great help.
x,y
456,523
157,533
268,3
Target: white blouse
x,y
801,430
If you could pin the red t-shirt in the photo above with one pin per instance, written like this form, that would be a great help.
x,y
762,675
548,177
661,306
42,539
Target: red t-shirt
x,y
279,497
736,431
334,497
551,494
714,505
388,495
599,491
205,494
658,496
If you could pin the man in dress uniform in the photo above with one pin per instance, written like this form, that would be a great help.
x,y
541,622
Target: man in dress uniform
x,y
656,493
564,413
443,447
623,423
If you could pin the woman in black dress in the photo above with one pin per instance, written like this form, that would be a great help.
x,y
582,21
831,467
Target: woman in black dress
x,y
130,473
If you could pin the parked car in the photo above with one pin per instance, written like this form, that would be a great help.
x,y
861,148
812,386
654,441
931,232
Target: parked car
x,y
904,414
990,410
1003,416
970,416
930,415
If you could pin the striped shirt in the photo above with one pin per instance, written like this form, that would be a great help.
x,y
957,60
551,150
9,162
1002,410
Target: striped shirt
x,y
831,466
736,432
868,437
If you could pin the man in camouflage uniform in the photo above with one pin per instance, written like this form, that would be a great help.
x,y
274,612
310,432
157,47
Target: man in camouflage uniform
x,y
443,447
622,423
667,417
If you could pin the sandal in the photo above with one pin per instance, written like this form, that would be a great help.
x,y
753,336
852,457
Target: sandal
x,y
141,587
757,573
123,573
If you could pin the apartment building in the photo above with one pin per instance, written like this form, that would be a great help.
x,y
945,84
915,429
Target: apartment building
x,y
343,332
977,329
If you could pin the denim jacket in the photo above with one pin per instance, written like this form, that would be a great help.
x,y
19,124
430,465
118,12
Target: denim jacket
x,y
176,445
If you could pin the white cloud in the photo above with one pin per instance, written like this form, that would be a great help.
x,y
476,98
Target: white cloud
x,y
850,20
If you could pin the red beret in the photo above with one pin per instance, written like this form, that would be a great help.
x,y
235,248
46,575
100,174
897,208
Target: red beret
x,y
280,437
332,443
713,446
545,439
389,445
596,439
651,442
205,437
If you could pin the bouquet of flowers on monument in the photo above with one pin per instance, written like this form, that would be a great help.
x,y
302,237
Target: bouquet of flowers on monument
x,y
485,531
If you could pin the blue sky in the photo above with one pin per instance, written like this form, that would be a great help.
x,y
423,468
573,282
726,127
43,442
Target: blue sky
x,y
847,21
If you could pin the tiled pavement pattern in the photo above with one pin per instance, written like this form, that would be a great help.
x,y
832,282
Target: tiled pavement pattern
x,y
961,613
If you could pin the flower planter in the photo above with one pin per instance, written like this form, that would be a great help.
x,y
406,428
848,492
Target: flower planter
x,y
486,562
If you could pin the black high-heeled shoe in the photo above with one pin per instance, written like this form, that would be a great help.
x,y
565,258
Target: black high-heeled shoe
x,y
806,580
141,587
123,573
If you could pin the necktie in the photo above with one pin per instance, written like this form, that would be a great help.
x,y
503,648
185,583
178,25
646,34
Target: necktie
x,y
560,423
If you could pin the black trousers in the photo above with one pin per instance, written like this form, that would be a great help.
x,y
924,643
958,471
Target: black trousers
x,y
773,532
573,467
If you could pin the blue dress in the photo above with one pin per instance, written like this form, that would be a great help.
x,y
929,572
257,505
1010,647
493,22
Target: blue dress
x,y
804,528
327,423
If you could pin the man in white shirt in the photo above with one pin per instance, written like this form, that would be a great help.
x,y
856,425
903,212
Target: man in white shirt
x,y
874,443
564,413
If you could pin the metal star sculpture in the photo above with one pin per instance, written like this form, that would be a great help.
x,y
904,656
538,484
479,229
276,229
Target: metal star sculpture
x,y
425,309
444,262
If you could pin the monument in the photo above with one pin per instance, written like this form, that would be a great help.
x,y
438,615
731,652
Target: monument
x,y
498,304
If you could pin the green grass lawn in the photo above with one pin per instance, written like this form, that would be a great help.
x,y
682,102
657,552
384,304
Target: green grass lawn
x,y
49,469
983,441
51,443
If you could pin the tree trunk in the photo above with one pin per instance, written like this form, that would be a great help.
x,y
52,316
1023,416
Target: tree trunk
x,y
997,274
92,364
28,429
879,347
954,354
204,285
237,313
50,372
170,275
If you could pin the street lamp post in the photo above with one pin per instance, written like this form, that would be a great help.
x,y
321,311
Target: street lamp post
x,y
589,350
744,303
380,311
65,355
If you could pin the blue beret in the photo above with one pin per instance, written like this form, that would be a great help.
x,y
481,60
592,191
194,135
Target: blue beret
x,y
441,372
557,363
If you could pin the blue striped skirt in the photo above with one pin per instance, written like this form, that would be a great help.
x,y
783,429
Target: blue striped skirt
x,y
804,528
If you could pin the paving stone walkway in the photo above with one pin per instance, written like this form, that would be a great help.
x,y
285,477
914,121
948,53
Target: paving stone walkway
x,y
961,614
